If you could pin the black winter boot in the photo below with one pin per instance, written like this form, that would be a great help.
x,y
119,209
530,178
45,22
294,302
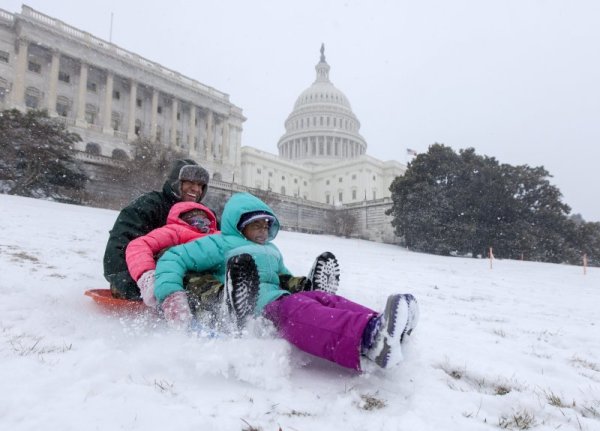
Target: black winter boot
x,y
241,287
325,273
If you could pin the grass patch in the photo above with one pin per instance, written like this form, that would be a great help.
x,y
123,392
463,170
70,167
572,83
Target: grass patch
x,y
519,420
585,364
371,402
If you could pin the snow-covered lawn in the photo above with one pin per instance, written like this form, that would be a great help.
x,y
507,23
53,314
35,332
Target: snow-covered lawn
x,y
516,346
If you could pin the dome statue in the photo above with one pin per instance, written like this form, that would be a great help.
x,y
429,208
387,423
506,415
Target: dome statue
x,y
322,127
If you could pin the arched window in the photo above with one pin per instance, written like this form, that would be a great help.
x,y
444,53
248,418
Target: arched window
x,y
119,154
93,149
217,176
282,190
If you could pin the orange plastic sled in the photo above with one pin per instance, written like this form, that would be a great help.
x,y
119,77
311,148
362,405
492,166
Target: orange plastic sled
x,y
104,298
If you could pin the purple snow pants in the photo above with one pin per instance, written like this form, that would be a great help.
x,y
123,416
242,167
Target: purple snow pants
x,y
325,325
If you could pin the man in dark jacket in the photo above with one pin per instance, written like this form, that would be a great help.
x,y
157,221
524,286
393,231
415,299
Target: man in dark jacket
x,y
186,182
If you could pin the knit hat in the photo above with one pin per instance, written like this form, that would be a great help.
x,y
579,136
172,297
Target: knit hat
x,y
253,216
193,173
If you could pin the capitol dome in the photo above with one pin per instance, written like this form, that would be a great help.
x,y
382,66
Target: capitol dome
x,y
322,127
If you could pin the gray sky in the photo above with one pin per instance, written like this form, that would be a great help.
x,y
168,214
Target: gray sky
x,y
518,80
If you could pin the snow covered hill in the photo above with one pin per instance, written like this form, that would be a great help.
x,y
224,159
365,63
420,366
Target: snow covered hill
x,y
514,347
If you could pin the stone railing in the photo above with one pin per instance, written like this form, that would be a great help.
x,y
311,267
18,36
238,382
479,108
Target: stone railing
x,y
6,16
97,159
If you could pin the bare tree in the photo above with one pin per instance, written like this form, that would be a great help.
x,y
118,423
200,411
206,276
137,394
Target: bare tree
x,y
341,222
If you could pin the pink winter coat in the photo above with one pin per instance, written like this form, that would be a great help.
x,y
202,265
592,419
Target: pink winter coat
x,y
141,252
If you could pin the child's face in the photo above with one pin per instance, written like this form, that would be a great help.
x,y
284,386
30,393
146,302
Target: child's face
x,y
197,219
257,231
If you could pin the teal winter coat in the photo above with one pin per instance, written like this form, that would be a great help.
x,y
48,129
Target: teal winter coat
x,y
210,254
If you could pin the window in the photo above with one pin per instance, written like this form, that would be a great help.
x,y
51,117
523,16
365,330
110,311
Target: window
x,y
93,149
119,154
340,180
340,197
353,176
304,182
116,95
159,109
327,198
138,102
327,182
115,121
179,116
4,56
374,195
91,113
64,77
282,190
62,106
374,177
158,133
138,127
270,174
3,87
34,67
32,98
353,195
92,87
258,171
295,180
283,177
178,139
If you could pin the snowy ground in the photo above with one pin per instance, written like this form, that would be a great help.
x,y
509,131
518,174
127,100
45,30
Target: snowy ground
x,y
516,346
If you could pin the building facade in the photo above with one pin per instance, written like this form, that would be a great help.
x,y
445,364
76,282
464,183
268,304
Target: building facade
x,y
111,96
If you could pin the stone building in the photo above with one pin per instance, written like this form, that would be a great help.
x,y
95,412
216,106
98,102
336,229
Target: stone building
x,y
322,156
110,95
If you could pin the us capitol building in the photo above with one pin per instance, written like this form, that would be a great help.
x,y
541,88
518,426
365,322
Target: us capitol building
x,y
111,96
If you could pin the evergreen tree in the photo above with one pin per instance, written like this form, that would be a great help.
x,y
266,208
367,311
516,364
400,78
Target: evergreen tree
x,y
36,157
465,203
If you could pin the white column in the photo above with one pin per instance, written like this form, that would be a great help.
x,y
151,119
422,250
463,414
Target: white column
x,y
192,128
53,83
209,135
174,128
153,115
226,149
83,74
131,114
18,89
107,108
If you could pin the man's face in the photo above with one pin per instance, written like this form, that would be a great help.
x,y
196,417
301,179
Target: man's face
x,y
257,231
190,191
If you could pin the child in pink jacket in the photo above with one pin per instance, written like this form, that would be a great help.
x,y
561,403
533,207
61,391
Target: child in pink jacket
x,y
186,221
